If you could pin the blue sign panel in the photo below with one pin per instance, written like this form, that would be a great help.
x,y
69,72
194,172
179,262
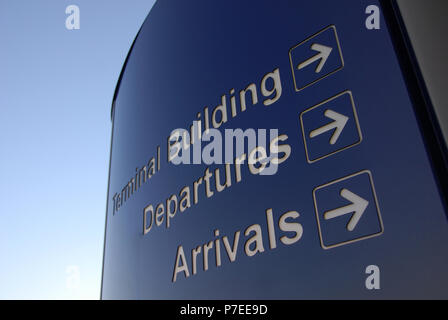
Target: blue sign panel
x,y
270,150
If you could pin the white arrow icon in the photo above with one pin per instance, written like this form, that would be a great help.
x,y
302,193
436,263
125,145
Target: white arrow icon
x,y
338,124
358,206
324,53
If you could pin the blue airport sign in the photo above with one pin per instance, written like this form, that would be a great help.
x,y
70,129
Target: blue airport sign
x,y
269,150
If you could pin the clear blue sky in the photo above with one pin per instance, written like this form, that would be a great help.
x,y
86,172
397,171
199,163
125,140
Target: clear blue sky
x,y
56,88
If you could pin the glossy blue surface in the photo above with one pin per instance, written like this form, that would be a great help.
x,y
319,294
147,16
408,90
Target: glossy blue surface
x,y
189,54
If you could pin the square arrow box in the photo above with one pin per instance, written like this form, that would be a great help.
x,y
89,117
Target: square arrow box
x,y
330,127
316,58
347,210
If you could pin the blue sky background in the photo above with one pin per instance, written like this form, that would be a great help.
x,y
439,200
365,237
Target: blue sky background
x,y
56,91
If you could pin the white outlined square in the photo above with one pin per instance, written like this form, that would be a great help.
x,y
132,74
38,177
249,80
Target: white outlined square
x,y
355,239
341,148
298,87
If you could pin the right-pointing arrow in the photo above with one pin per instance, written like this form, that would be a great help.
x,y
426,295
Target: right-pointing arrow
x,y
339,123
358,206
324,53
